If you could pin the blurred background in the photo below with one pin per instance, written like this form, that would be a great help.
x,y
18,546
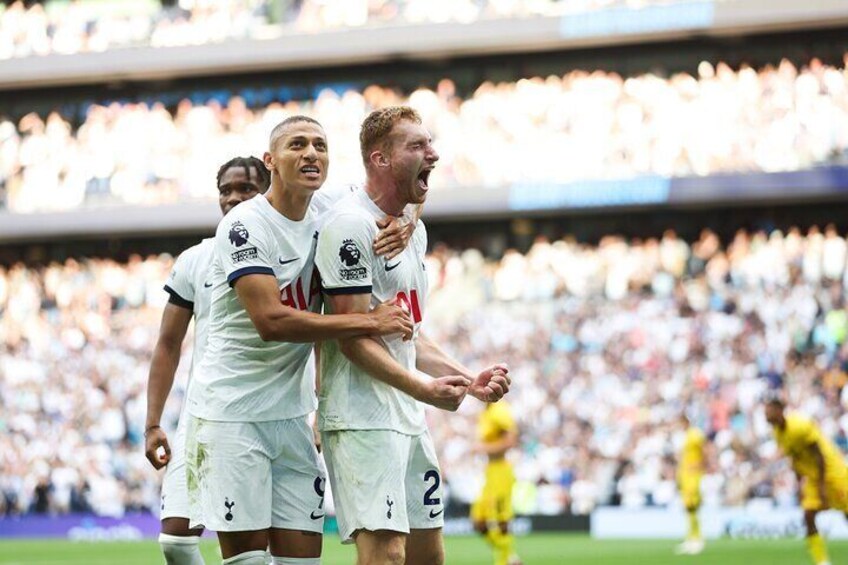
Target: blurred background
x,y
640,205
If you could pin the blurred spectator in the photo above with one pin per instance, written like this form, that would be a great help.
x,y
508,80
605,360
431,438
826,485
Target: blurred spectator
x,y
543,130
80,26
601,370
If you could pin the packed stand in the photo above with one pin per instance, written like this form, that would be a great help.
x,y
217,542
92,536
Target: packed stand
x,y
607,344
81,26
537,130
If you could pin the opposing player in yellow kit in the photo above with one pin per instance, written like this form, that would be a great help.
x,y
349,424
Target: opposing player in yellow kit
x,y
821,470
690,470
492,512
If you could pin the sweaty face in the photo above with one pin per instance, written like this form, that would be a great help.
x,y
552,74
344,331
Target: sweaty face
x,y
412,158
299,156
236,187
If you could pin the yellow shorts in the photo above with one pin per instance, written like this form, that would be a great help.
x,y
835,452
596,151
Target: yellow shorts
x,y
495,502
690,490
836,490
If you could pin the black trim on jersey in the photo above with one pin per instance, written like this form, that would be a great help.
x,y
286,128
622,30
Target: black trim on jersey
x,y
178,300
347,290
254,270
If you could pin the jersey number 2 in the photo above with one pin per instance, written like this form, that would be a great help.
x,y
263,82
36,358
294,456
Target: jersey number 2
x,y
428,496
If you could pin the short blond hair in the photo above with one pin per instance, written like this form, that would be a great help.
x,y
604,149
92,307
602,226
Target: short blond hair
x,y
376,128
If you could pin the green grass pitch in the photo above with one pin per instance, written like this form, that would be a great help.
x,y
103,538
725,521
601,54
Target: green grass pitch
x,y
537,549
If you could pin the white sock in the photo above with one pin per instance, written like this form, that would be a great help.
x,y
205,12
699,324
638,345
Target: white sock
x,y
296,560
247,558
180,550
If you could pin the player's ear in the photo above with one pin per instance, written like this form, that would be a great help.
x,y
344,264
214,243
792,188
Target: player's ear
x,y
268,160
378,159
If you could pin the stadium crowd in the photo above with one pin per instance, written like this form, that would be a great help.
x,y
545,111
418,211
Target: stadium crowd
x,y
608,344
558,129
81,26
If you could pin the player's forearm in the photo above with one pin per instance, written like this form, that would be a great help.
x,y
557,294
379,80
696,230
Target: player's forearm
x,y
163,366
432,359
295,326
370,356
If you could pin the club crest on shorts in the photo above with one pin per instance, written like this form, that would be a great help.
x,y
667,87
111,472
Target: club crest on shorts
x,y
229,515
238,234
389,503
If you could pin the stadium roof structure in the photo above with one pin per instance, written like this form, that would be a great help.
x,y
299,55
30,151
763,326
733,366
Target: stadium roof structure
x,y
292,50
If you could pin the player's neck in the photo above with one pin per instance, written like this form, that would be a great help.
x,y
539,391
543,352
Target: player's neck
x,y
385,196
289,201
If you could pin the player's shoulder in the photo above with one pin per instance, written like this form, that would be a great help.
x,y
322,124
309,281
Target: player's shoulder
x,y
191,254
241,221
800,421
349,213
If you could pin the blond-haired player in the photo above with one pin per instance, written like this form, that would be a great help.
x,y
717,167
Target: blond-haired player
x,y
690,470
821,470
492,511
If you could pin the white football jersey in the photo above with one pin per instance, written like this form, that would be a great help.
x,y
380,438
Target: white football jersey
x,y
190,287
243,378
351,399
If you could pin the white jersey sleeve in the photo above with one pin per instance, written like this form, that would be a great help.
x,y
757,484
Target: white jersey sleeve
x,y
344,256
181,282
242,248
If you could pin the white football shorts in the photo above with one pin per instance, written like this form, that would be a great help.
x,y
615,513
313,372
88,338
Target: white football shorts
x,y
174,500
383,480
254,475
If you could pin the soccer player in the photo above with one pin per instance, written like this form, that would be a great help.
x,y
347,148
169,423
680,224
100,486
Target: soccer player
x,y
239,179
254,475
690,470
381,461
820,468
492,511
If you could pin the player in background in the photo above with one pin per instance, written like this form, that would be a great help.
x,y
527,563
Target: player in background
x,y
492,511
239,179
690,471
820,468
381,461
253,472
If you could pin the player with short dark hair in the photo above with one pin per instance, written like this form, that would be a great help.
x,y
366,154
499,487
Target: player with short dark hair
x,y
253,473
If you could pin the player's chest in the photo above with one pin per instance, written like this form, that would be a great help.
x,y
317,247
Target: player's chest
x,y
406,271
292,256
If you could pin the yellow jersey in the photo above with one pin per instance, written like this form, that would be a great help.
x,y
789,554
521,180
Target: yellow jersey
x,y
795,441
495,420
692,455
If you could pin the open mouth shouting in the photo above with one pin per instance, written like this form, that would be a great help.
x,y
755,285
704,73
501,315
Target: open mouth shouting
x,y
424,179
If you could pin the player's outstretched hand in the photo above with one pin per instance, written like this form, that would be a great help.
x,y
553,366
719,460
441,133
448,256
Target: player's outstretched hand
x,y
393,237
392,318
491,384
154,438
446,393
